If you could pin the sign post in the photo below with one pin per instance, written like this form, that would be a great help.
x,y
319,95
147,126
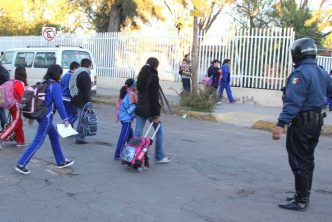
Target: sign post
x,y
49,33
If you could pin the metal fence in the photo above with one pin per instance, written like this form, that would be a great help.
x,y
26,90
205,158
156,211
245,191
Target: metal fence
x,y
260,57
326,62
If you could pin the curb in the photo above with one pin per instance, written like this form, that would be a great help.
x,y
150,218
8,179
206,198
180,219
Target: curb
x,y
268,126
260,124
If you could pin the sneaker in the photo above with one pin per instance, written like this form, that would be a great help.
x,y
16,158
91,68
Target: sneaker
x,y
218,103
22,169
67,163
81,142
164,160
21,144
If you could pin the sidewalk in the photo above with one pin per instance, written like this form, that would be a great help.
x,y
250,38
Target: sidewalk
x,y
240,114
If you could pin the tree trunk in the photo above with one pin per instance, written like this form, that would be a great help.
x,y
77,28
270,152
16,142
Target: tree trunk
x,y
115,19
194,55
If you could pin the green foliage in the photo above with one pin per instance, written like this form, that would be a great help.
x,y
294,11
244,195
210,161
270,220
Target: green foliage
x,y
110,16
290,14
254,13
203,101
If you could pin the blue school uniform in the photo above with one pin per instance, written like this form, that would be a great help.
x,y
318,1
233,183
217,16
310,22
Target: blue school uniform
x,y
225,82
126,116
53,99
70,109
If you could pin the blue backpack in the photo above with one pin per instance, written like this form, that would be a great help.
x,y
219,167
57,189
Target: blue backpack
x,y
88,123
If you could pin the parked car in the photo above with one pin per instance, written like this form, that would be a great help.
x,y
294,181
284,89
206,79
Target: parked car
x,y
38,59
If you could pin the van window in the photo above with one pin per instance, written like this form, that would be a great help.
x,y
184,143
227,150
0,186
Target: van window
x,y
24,59
8,58
44,59
69,56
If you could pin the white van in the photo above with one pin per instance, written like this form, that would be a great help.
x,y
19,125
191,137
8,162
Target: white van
x,y
37,59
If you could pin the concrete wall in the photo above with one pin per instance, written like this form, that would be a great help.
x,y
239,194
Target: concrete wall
x,y
257,96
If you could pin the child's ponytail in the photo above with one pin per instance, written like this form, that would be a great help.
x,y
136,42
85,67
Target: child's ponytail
x,y
123,92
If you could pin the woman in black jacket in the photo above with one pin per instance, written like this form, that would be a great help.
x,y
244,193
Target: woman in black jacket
x,y
4,77
148,106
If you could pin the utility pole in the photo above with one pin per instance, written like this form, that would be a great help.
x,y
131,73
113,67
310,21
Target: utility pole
x,y
195,56
197,12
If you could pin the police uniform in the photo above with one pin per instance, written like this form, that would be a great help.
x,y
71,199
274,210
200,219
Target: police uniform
x,y
303,100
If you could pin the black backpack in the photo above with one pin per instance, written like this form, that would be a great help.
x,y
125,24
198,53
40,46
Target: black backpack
x,y
87,125
33,101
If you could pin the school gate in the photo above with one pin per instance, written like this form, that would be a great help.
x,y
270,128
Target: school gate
x,y
260,57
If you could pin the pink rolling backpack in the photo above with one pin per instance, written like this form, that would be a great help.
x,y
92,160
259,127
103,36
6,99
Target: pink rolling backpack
x,y
135,154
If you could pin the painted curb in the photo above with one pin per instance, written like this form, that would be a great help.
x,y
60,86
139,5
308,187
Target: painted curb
x,y
260,124
268,126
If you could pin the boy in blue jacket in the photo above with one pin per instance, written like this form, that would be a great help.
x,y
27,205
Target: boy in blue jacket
x,y
125,114
70,109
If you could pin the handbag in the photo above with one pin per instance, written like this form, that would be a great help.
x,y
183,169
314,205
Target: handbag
x,y
207,81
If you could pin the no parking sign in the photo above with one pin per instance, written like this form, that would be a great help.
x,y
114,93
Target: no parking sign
x,y
48,33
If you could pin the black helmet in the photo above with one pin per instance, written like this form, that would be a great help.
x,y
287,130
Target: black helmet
x,y
303,48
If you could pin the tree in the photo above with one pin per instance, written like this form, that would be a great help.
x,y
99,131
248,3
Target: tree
x,y
323,18
254,13
179,10
291,14
113,15
19,17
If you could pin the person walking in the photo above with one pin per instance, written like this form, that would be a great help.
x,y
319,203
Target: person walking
x,y
16,125
4,77
125,114
148,106
225,82
214,72
304,99
186,73
53,99
69,107
80,91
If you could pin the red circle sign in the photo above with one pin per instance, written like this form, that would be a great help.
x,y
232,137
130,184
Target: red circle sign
x,y
49,34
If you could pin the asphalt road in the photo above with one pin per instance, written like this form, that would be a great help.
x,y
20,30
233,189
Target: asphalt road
x,y
219,173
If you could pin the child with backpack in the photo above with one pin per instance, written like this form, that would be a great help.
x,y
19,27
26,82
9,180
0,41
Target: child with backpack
x,y
16,126
125,114
70,109
53,99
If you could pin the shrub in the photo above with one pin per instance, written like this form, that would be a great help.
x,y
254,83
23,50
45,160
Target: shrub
x,y
203,101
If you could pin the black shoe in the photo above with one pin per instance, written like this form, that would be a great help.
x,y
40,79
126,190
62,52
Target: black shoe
x,y
81,142
301,197
67,163
294,205
22,169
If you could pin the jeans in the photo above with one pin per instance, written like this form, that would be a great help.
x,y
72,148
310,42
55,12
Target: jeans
x,y
3,118
227,86
186,84
71,112
125,134
140,123
45,127
80,137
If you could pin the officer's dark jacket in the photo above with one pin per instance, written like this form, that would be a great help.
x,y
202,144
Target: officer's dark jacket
x,y
306,89
148,94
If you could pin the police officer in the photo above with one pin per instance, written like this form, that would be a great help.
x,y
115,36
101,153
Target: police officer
x,y
303,100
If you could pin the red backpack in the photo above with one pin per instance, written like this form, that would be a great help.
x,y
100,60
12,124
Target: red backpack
x,y
7,98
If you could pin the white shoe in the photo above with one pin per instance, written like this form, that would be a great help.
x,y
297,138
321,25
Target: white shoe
x,y
218,103
164,160
21,145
